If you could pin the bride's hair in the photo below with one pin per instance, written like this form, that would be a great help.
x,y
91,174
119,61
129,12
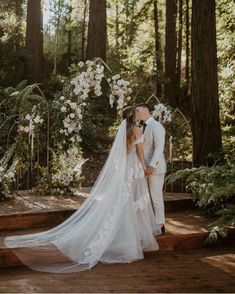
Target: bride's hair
x,y
129,115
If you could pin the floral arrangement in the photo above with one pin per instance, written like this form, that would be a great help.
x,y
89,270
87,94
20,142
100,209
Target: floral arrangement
x,y
68,167
61,121
29,124
65,173
86,80
162,113
120,91
7,175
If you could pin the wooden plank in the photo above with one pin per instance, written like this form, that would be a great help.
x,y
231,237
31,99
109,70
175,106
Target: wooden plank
x,y
167,242
188,271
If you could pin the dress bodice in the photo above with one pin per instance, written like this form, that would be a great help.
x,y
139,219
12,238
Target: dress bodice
x,y
133,147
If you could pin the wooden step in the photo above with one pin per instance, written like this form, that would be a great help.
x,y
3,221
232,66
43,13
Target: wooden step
x,y
184,230
27,211
204,270
167,242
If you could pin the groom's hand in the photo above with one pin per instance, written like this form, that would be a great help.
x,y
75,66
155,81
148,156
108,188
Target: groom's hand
x,y
149,170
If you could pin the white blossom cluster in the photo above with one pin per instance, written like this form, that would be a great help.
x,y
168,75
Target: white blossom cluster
x,y
162,113
120,91
72,119
69,170
31,120
89,79
6,175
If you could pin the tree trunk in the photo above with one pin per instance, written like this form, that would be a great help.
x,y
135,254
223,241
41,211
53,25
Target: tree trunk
x,y
18,68
84,30
56,42
187,49
206,127
170,53
69,45
97,30
34,40
117,25
179,49
158,50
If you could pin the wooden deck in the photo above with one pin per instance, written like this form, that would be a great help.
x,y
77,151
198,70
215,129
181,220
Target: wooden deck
x,y
184,262
206,270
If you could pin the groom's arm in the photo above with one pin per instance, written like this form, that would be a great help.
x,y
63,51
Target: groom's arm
x,y
159,142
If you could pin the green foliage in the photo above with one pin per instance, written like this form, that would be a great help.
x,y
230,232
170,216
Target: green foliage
x,y
214,190
226,72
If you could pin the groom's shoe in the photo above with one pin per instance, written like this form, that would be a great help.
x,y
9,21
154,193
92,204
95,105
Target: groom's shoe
x,y
163,229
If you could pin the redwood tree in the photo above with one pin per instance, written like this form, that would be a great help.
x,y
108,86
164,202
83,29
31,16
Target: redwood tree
x,y
206,127
34,40
97,30
158,49
170,53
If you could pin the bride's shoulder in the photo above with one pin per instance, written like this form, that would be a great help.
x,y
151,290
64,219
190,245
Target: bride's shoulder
x,y
137,131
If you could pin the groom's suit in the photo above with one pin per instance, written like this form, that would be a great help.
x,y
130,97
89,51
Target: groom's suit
x,y
153,144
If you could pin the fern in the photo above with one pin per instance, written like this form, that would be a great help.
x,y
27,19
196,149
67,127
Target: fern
x,y
214,190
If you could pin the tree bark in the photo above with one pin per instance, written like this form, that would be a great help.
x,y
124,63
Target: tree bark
x,y
179,47
170,53
56,42
97,30
206,127
158,50
187,48
18,68
34,40
117,25
69,45
84,30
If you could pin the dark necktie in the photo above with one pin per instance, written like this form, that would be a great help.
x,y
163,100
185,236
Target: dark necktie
x,y
144,126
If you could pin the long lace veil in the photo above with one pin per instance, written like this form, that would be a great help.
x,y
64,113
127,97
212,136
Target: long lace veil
x,y
79,242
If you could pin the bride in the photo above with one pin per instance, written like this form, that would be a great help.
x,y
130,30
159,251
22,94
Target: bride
x,y
115,224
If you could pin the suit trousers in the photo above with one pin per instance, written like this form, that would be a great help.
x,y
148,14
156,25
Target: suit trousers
x,y
156,182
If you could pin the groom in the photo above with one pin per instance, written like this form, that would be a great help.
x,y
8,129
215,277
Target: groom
x,y
153,144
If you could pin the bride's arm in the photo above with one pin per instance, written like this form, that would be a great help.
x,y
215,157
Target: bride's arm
x,y
139,146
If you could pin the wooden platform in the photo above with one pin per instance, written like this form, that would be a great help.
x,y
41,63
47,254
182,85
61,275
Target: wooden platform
x,y
205,270
186,227
184,230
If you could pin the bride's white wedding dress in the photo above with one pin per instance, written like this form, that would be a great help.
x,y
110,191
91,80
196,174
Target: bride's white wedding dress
x,y
113,225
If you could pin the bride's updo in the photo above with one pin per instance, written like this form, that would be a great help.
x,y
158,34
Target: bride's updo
x,y
129,115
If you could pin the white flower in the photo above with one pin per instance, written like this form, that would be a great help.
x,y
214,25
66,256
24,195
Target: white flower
x,y
73,105
62,98
63,109
21,128
11,174
28,117
37,119
120,82
72,115
70,130
26,129
81,64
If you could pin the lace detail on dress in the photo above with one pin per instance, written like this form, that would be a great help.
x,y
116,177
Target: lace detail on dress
x,y
142,203
95,249
136,171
